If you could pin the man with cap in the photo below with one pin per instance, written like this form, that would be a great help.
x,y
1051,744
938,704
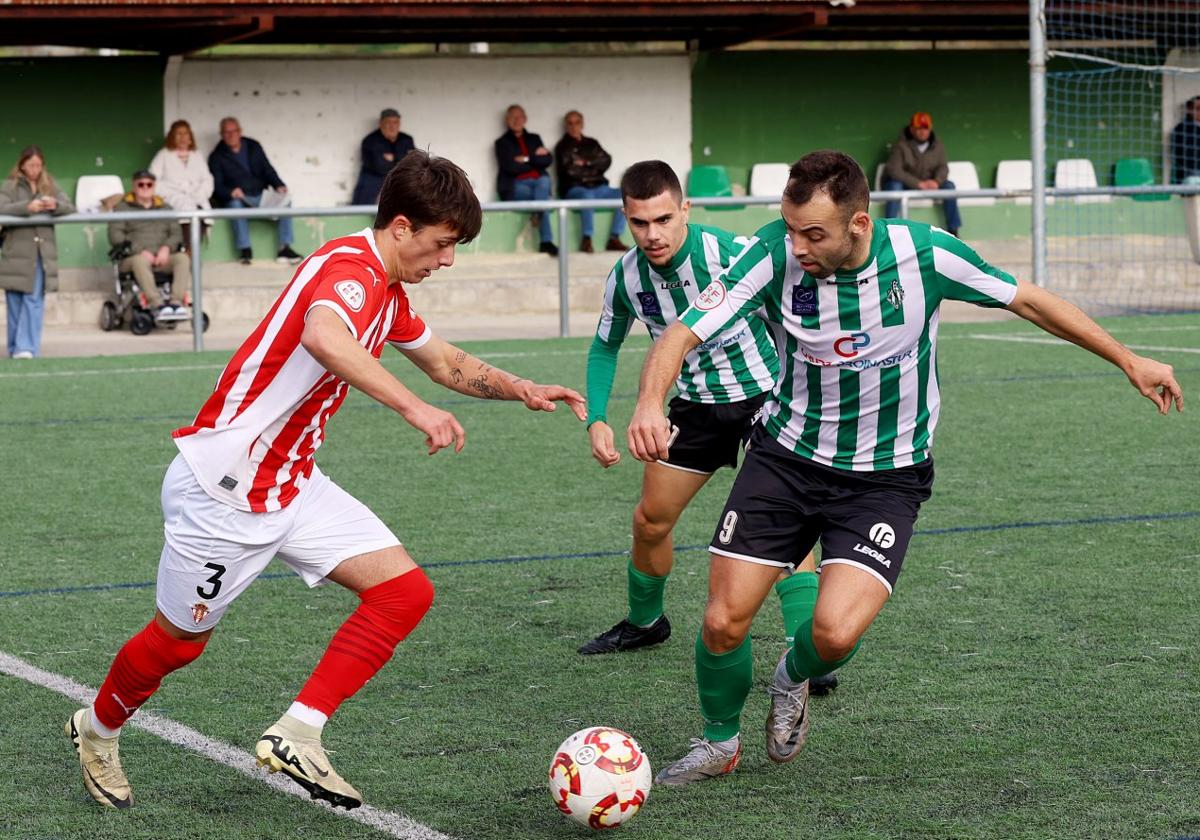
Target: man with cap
x,y
918,162
150,245
381,150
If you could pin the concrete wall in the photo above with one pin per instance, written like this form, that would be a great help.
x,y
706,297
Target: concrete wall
x,y
311,115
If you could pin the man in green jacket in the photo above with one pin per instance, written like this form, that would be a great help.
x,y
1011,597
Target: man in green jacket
x,y
918,162
153,244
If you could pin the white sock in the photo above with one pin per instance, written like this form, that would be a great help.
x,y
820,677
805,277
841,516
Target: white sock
x,y
783,679
728,746
99,728
306,714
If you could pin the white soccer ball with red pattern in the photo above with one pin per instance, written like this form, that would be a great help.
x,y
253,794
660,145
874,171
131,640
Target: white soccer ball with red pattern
x,y
600,777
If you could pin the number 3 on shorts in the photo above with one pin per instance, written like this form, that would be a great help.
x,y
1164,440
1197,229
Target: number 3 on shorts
x,y
727,526
215,580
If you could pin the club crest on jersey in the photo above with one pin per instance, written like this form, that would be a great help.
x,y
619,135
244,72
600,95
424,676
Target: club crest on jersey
x,y
199,610
712,296
895,295
649,302
804,301
352,292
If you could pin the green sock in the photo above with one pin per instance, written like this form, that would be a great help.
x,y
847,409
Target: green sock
x,y
645,597
723,681
797,598
803,661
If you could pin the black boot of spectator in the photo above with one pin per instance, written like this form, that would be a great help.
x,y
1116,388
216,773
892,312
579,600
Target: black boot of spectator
x,y
549,248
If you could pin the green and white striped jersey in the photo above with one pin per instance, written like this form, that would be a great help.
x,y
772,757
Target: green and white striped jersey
x,y
739,364
859,387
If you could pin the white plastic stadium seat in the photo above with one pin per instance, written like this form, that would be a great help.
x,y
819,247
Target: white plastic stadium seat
x,y
913,202
1015,175
769,179
965,177
92,188
1078,172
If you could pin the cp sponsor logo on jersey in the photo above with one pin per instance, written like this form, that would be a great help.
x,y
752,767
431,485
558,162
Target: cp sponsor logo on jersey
x,y
848,345
712,296
649,302
352,292
882,535
804,301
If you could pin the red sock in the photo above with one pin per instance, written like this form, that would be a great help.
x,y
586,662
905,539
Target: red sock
x,y
361,646
138,671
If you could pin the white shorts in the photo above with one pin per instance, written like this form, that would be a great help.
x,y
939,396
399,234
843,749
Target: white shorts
x,y
213,551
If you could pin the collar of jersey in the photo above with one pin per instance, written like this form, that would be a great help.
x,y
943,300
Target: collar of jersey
x,y
878,233
369,235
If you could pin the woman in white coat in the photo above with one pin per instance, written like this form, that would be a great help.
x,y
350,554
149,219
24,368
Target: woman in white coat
x,y
184,180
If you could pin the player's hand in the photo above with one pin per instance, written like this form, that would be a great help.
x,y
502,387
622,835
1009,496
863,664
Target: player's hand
x,y
649,434
544,397
1156,382
603,448
440,427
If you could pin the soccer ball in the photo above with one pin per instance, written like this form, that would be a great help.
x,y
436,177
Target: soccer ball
x,y
600,777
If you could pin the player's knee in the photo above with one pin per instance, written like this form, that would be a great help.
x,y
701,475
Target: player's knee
x,y
650,525
722,631
399,604
833,640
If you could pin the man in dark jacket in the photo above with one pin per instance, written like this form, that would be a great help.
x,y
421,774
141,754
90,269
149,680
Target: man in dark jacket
x,y
918,162
381,150
241,172
523,160
580,163
152,245
1185,144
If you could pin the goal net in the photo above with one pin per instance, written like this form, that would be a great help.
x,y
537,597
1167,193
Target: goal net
x,y
1119,76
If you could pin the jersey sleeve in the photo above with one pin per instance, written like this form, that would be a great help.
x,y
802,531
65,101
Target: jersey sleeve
x,y
351,291
616,319
408,331
964,275
755,275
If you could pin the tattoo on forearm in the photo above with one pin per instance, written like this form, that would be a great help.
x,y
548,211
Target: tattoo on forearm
x,y
456,375
485,388
460,356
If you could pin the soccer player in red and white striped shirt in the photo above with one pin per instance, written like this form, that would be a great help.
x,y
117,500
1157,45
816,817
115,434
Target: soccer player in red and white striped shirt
x,y
244,487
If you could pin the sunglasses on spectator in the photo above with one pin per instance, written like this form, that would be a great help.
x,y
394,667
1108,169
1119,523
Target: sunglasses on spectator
x,y
144,184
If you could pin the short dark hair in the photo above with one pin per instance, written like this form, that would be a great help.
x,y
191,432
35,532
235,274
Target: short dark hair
x,y
649,178
430,190
1193,102
834,173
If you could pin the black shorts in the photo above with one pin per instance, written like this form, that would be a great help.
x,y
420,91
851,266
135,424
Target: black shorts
x,y
710,434
781,504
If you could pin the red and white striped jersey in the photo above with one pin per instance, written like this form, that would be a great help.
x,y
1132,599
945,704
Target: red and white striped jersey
x,y
252,444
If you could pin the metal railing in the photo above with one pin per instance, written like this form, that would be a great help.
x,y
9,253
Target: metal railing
x,y
560,207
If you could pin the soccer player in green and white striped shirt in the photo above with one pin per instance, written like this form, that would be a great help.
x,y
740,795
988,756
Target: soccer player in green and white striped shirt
x,y
722,387
843,452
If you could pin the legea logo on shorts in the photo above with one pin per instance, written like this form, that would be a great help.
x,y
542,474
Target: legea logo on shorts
x,y
848,345
882,535
712,296
352,292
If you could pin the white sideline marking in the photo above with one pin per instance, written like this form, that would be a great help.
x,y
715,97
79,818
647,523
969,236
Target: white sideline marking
x,y
390,823
38,374
1033,339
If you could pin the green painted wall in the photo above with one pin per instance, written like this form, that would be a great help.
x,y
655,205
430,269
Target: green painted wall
x,y
91,116
751,107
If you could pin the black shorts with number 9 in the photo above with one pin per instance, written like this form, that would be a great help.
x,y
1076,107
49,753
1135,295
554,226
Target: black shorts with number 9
x,y
782,503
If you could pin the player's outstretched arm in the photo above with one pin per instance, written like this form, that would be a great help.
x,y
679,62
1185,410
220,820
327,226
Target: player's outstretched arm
x,y
649,435
1152,379
458,370
330,342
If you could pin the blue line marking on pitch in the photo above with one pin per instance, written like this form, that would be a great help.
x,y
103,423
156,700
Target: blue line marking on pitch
x,y
586,555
